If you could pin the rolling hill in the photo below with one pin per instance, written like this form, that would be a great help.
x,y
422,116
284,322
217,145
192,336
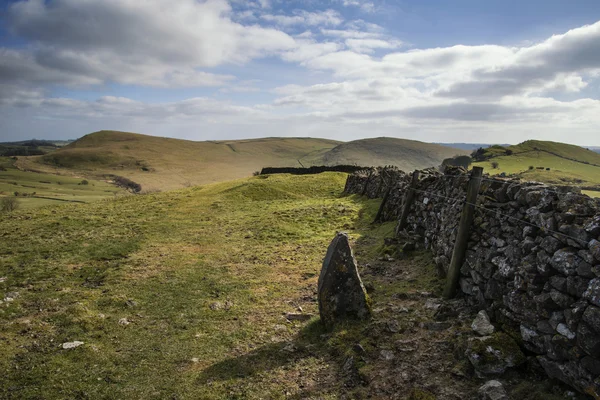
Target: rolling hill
x,y
163,163
405,154
549,162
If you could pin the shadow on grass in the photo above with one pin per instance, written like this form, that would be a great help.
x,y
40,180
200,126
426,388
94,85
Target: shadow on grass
x,y
313,339
306,343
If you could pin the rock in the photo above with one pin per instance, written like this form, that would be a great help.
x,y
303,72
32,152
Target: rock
x,y
588,340
594,247
494,354
393,326
124,321
565,331
216,306
492,390
387,355
560,299
341,291
72,345
565,262
591,316
592,294
482,325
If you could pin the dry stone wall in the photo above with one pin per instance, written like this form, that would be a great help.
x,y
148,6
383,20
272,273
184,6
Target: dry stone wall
x,y
533,258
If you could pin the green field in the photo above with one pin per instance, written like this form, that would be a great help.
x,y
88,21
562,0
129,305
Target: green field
x,y
164,163
547,162
163,261
49,189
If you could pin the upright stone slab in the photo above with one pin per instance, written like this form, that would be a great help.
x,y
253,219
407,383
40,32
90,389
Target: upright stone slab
x,y
341,292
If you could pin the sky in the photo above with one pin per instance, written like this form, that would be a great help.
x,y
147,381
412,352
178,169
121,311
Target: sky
x,y
462,71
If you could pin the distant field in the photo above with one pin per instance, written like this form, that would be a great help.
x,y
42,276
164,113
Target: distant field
x,y
163,163
548,162
49,189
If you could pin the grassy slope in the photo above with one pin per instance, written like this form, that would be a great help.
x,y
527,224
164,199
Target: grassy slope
x,y
254,246
182,295
405,154
174,163
48,187
556,156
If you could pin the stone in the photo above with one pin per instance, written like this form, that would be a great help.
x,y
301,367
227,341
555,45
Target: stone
x,y
564,330
504,268
387,355
482,325
341,293
124,321
560,299
588,340
72,345
594,247
492,390
565,262
551,245
593,226
592,294
576,286
494,354
591,316
559,283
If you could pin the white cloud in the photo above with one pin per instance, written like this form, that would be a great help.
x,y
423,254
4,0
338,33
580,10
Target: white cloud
x,y
160,43
302,17
365,6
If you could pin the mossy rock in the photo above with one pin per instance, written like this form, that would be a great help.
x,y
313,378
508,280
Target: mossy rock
x,y
494,354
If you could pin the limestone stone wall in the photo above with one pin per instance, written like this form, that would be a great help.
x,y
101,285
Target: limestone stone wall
x,y
533,259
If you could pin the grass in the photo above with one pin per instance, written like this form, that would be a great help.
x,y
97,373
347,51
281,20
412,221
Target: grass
x,y
406,154
555,156
163,163
175,295
49,189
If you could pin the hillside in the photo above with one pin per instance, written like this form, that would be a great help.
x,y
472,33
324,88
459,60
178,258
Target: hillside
x,y
405,154
33,189
550,162
163,163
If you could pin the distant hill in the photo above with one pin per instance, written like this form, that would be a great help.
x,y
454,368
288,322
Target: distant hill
x,y
595,149
550,162
405,154
164,163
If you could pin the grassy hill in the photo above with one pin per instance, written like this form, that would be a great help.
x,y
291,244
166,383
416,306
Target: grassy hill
x,y
550,162
38,189
163,163
405,154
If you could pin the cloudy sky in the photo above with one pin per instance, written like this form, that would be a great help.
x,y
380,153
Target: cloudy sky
x,y
432,70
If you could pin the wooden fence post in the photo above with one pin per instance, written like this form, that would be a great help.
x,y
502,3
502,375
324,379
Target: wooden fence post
x,y
384,200
464,230
408,200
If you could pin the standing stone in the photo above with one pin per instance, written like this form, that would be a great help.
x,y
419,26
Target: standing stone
x,y
341,292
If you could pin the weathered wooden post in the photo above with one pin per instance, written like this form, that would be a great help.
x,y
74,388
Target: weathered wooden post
x,y
385,198
462,237
408,200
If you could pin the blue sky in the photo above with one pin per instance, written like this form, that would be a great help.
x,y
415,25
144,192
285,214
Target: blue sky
x,y
462,71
